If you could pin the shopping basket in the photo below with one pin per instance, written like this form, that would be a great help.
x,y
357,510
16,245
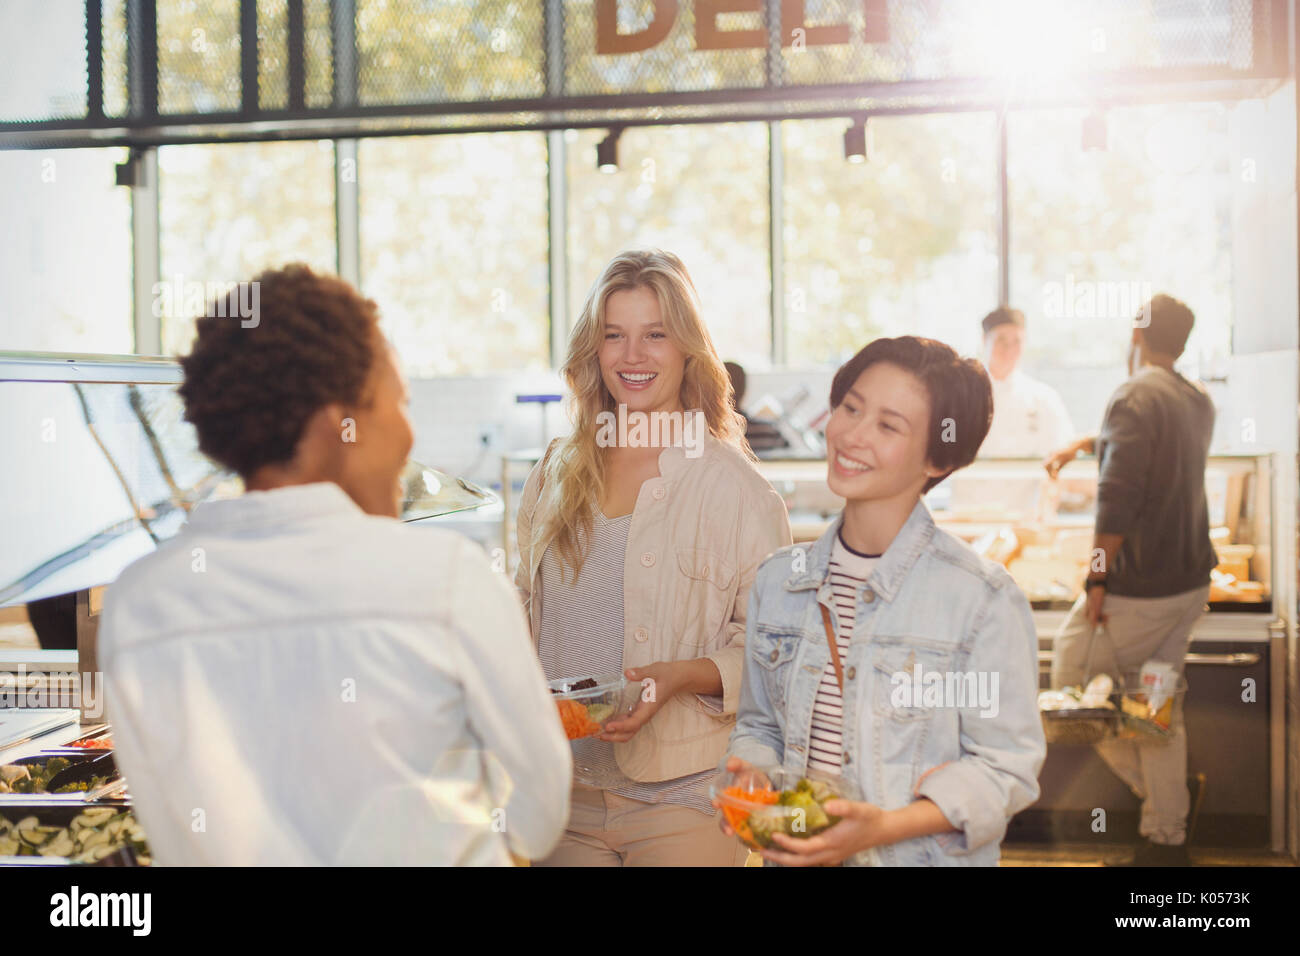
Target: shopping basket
x,y
1129,715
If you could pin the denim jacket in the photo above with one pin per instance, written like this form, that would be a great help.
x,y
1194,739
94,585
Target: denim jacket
x,y
972,743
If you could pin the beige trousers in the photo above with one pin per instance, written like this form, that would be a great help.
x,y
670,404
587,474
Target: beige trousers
x,y
1139,630
606,829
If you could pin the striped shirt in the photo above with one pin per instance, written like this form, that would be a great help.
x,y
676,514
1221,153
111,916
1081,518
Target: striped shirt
x,y
581,635
848,572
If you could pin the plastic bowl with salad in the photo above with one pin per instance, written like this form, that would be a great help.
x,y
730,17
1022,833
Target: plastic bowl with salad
x,y
763,801
586,704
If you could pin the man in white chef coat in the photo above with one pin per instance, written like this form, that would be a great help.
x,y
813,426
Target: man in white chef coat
x,y
1029,418
298,678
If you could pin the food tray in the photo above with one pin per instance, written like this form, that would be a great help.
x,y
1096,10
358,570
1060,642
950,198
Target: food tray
x,y
61,814
92,733
82,767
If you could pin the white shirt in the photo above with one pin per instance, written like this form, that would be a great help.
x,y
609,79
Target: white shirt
x,y
849,571
1029,419
292,681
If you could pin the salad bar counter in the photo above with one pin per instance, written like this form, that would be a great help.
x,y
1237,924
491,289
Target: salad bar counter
x,y
66,803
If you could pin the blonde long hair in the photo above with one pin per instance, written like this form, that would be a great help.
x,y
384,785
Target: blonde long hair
x,y
576,469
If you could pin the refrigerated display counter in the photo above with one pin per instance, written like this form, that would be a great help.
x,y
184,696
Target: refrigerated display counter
x,y
100,467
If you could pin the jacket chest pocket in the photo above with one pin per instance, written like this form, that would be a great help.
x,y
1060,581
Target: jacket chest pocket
x,y
908,690
775,652
910,681
702,598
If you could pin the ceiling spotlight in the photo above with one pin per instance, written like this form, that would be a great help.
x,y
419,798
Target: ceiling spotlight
x,y
855,141
607,151
1094,131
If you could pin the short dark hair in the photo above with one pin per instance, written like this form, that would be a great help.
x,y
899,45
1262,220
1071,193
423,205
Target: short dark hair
x,y
736,372
250,387
1170,324
1002,315
959,391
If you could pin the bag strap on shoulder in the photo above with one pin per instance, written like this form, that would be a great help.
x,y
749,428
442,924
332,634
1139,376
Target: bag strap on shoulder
x,y
833,644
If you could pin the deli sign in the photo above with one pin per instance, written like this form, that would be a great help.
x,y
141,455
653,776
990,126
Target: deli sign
x,y
708,35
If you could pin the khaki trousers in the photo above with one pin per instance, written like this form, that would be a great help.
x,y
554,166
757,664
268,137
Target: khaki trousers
x,y
1140,630
606,829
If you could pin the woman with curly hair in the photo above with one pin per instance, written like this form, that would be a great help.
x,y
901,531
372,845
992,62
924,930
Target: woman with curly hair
x,y
298,639
637,552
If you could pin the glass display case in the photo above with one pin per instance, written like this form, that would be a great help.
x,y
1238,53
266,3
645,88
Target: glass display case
x,y
1041,529
101,467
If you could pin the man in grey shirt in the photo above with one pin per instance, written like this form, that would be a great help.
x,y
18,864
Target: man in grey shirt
x,y
1150,573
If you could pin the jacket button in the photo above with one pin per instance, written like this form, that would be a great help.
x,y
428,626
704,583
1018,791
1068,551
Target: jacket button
x,y
648,559
641,634
658,494
868,595
773,656
847,758
705,571
851,673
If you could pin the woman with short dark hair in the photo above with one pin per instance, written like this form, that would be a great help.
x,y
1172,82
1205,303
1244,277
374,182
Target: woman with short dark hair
x,y
890,655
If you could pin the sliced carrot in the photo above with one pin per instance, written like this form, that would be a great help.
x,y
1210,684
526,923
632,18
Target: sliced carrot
x,y
738,817
577,724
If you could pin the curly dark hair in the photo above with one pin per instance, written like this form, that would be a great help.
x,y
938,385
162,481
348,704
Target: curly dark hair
x,y
959,390
251,386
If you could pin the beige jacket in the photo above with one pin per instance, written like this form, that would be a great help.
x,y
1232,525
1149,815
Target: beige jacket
x,y
698,534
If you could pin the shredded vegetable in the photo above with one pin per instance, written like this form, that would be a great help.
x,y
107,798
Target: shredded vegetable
x,y
577,722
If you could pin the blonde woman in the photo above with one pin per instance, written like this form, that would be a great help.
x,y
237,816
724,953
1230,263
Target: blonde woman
x,y
639,537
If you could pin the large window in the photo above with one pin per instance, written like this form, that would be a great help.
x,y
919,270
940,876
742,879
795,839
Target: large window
x,y
1109,209
454,249
698,191
1106,209
229,211
905,242
66,268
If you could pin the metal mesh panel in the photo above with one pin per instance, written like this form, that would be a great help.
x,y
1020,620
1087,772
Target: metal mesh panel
x,y
113,25
1202,32
135,82
318,45
955,38
911,47
198,56
439,51
43,64
854,41
273,54
673,64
